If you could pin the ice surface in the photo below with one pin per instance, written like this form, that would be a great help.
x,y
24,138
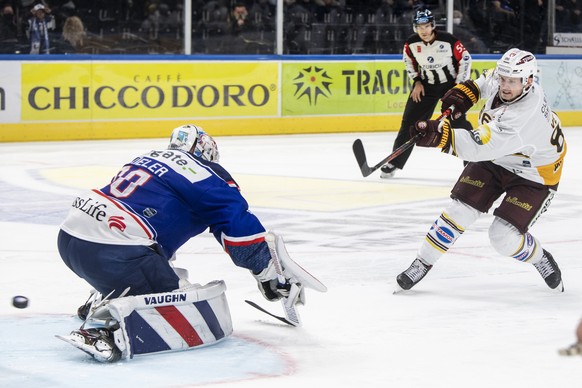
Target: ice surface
x,y
476,320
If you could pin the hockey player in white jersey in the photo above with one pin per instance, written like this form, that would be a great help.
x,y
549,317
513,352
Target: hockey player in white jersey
x,y
123,237
518,150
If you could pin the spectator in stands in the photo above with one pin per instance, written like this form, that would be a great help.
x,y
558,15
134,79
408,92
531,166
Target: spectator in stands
x,y
243,31
74,33
239,18
38,29
8,31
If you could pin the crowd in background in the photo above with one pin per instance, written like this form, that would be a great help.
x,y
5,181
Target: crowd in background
x,y
249,27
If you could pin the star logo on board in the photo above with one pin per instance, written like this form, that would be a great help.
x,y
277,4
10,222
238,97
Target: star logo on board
x,y
312,82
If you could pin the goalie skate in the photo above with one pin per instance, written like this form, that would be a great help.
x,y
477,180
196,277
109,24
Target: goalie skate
x,y
98,343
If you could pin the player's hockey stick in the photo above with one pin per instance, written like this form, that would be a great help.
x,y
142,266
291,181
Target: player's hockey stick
x,y
360,153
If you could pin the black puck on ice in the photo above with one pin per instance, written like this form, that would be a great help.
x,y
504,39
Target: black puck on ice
x,y
20,302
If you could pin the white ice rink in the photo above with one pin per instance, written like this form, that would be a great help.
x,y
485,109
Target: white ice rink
x,y
476,320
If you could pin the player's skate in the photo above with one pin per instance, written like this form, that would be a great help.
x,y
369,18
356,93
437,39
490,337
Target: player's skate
x,y
414,274
572,350
387,171
98,343
548,268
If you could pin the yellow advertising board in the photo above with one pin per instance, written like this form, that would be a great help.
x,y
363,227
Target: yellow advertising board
x,y
106,99
348,88
79,91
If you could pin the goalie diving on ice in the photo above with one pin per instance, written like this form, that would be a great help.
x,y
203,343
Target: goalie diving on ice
x,y
123,238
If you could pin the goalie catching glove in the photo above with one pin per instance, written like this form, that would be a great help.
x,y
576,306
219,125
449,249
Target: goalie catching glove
x,y
283,277
434,133
269,284
462,97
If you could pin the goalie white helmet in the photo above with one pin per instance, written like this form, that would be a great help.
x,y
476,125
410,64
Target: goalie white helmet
x,y
517,63
195,141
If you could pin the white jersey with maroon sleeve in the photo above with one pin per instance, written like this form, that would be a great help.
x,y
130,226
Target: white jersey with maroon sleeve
x,y
523,136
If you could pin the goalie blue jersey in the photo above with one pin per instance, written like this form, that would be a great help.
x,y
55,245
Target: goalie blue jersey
x,y
165,198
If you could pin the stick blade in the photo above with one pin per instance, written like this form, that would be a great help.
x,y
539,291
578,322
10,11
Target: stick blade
x,y
360,154
282,319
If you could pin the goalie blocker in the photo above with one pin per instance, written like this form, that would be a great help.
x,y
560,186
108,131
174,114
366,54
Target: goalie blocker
x,y
164,322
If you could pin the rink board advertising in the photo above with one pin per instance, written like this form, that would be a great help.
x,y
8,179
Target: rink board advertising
x,y
59,100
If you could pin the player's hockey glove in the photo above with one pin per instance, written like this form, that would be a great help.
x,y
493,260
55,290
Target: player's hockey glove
x,y
462,96
434,133
269,284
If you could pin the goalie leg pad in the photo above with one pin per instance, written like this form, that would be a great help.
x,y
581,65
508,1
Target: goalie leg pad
x,y
171,321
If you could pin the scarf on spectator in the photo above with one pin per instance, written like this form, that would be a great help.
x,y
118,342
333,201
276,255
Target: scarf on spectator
x,y
39,36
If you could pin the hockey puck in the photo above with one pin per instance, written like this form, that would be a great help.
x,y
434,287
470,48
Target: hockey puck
x,y
20,302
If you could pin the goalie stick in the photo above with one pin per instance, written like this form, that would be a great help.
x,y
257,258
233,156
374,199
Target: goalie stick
x,y
288,302
282,319
301,280
360,153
